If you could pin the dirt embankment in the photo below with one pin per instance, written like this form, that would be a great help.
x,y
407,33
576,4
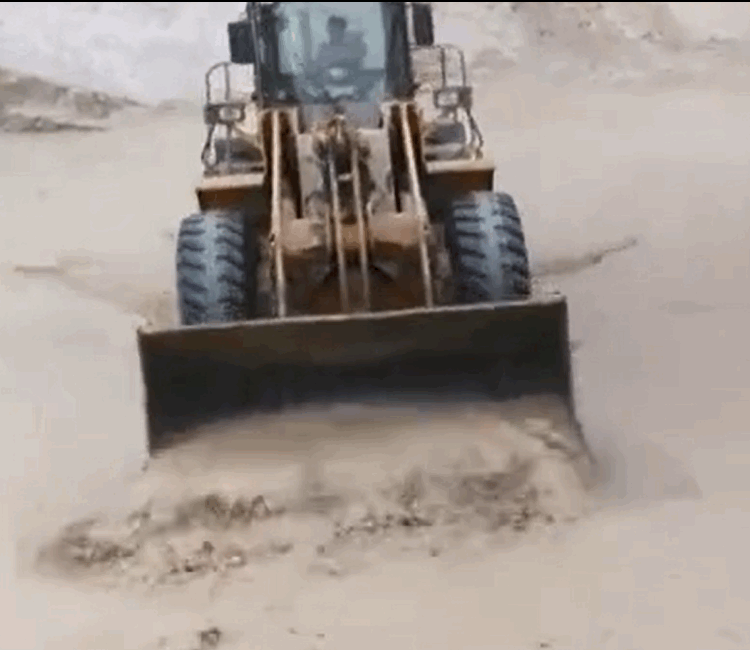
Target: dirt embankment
x,y
29,104
151,52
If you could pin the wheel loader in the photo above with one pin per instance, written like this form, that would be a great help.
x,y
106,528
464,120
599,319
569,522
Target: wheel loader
x,y
349,241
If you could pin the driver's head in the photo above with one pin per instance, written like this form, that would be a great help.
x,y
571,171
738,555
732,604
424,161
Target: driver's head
x,y
336,29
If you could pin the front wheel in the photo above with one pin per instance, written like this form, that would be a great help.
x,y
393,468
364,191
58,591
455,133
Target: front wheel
x,y
216,268
485,240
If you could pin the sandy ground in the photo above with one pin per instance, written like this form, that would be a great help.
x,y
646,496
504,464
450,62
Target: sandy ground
x,y
663,382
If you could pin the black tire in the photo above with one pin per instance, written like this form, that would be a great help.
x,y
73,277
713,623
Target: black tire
x,y
216,268
485,241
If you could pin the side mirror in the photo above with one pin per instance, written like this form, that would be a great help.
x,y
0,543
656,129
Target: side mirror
x,y
424,29
241,44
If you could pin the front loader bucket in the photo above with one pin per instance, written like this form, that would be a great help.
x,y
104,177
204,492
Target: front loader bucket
x,y
195,375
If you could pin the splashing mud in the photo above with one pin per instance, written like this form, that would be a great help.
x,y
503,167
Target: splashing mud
x,y
149,546
350,478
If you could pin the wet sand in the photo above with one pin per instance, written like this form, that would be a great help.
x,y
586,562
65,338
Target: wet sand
x,y
661,366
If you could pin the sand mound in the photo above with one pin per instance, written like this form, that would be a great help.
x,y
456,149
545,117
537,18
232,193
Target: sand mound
x,y
30,104
428,494
160,51
613,43
162,547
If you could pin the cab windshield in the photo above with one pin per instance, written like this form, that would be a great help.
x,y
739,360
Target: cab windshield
x,y
333,51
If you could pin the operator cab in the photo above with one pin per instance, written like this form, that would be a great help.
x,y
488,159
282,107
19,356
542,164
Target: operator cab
x,y
331,52
328,53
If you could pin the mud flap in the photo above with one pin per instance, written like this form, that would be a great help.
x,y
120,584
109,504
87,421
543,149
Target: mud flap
x,y
496,351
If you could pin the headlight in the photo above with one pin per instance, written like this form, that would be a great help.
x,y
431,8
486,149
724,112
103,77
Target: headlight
x,y
231,114
452,98
224,113
447,98
337,74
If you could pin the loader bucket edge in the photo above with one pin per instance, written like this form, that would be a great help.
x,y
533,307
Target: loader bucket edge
x,y
195,375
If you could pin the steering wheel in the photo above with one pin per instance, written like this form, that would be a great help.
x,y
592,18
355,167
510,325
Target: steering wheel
x,y
337,82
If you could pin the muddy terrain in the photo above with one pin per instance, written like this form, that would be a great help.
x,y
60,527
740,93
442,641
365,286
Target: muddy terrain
x,y
361,525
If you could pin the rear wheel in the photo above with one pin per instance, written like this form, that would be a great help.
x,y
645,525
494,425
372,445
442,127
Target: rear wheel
x,y
216,268
485,240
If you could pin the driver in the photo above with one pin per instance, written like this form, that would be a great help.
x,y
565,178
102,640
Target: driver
x,y
343,49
